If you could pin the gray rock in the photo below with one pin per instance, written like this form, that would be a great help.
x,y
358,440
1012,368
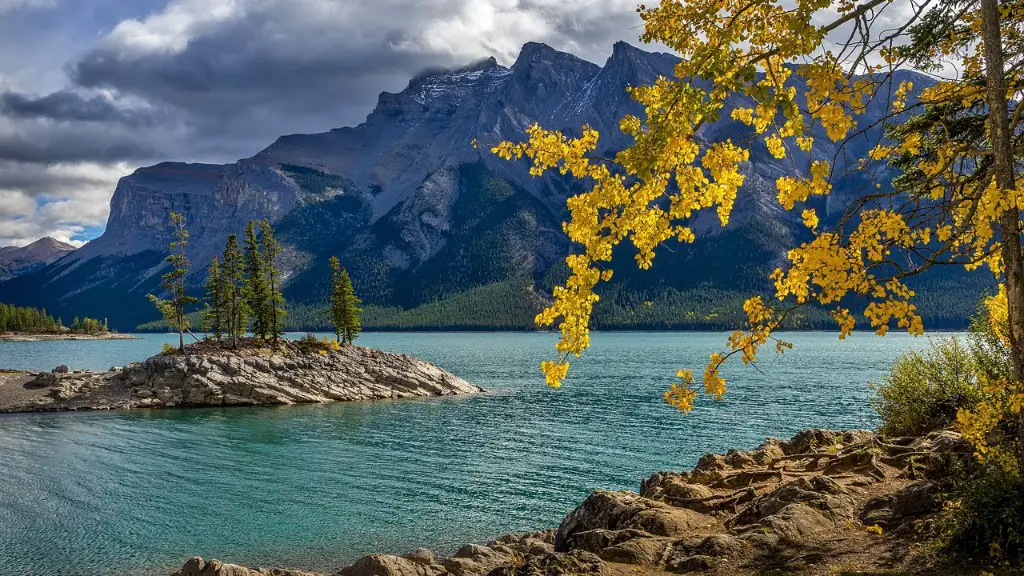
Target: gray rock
x,y
386,565
422,556
912,501
62,369
621,510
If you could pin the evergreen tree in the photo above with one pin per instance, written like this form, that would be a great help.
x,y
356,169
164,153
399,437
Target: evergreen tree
x,y
337,307
232,282
350,308
275,300
256,291
213,314
173,309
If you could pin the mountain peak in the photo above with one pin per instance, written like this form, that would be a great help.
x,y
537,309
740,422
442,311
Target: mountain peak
x,y
52,243
533,50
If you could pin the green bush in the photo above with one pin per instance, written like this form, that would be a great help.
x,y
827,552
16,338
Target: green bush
x,y
984,514
924,391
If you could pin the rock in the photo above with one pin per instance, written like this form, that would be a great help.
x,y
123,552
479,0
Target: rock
x,y
196,566
473,559
621,510
572,563
422,556
823,494
797,523
687,564
43,380
894,509
210,375
597,540
62,369
385,565
637,551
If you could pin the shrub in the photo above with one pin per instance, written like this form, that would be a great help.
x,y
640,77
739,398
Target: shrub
x,y
309,344
924,391
984,515
168,350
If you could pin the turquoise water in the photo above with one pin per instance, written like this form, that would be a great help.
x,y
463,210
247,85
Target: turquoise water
x,y
317,486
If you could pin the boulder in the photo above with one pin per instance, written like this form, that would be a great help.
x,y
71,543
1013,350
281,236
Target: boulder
x,y
572,563
621,510
637,551
473,559
43,380
596,541
386,565
797,524
196,566
62,369
422,556
891,510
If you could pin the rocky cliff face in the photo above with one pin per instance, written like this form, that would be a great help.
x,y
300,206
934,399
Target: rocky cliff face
x,y
414,211
18,261
286,374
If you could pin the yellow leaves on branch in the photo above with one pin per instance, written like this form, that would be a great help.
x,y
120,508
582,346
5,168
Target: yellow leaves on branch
x,y
756,52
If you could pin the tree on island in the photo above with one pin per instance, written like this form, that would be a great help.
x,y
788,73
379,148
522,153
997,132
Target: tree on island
x,y
173,308
256,290
954,200
345,305
232,290
213,313
275,300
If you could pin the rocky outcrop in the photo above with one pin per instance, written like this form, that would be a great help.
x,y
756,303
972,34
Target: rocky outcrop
x,y
820,503
214,376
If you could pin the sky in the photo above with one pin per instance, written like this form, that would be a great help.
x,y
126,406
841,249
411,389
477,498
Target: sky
x,y
90,90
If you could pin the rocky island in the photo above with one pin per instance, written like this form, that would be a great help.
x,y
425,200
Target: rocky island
x,y
823,503
213,374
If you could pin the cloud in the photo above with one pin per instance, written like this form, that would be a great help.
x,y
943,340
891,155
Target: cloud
x,y
61,200
218,80
12,5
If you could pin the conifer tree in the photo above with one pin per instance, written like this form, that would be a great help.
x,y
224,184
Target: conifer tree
x,y
337,299
232,282
350,308
213,314
173,309
275,300
255,291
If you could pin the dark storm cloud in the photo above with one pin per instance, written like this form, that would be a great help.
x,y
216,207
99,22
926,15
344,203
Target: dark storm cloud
x,y
65,105
218,80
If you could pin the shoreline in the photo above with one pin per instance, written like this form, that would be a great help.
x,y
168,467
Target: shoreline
x,y
15,337
211,375
821,503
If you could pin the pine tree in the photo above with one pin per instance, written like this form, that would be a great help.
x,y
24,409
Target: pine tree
x,y
275,300
337,299
256,292
350,308
213,314
173,309
232,281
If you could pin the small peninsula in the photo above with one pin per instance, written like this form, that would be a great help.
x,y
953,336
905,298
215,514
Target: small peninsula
x,y
210,373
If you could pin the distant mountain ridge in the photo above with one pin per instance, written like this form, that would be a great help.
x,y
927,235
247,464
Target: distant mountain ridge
x,y
20,260
420,216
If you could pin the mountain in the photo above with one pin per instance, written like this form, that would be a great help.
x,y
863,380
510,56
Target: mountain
x,y
17,261
422,218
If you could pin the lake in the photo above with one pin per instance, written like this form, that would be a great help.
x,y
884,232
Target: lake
x,y
316,487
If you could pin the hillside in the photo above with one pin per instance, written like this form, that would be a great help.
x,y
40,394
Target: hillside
x,y
419,216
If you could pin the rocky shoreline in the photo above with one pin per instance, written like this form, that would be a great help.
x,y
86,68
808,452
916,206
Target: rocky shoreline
x,y
18,337
218,376
823,503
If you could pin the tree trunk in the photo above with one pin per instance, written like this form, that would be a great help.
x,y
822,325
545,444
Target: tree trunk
x,y
1002,156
